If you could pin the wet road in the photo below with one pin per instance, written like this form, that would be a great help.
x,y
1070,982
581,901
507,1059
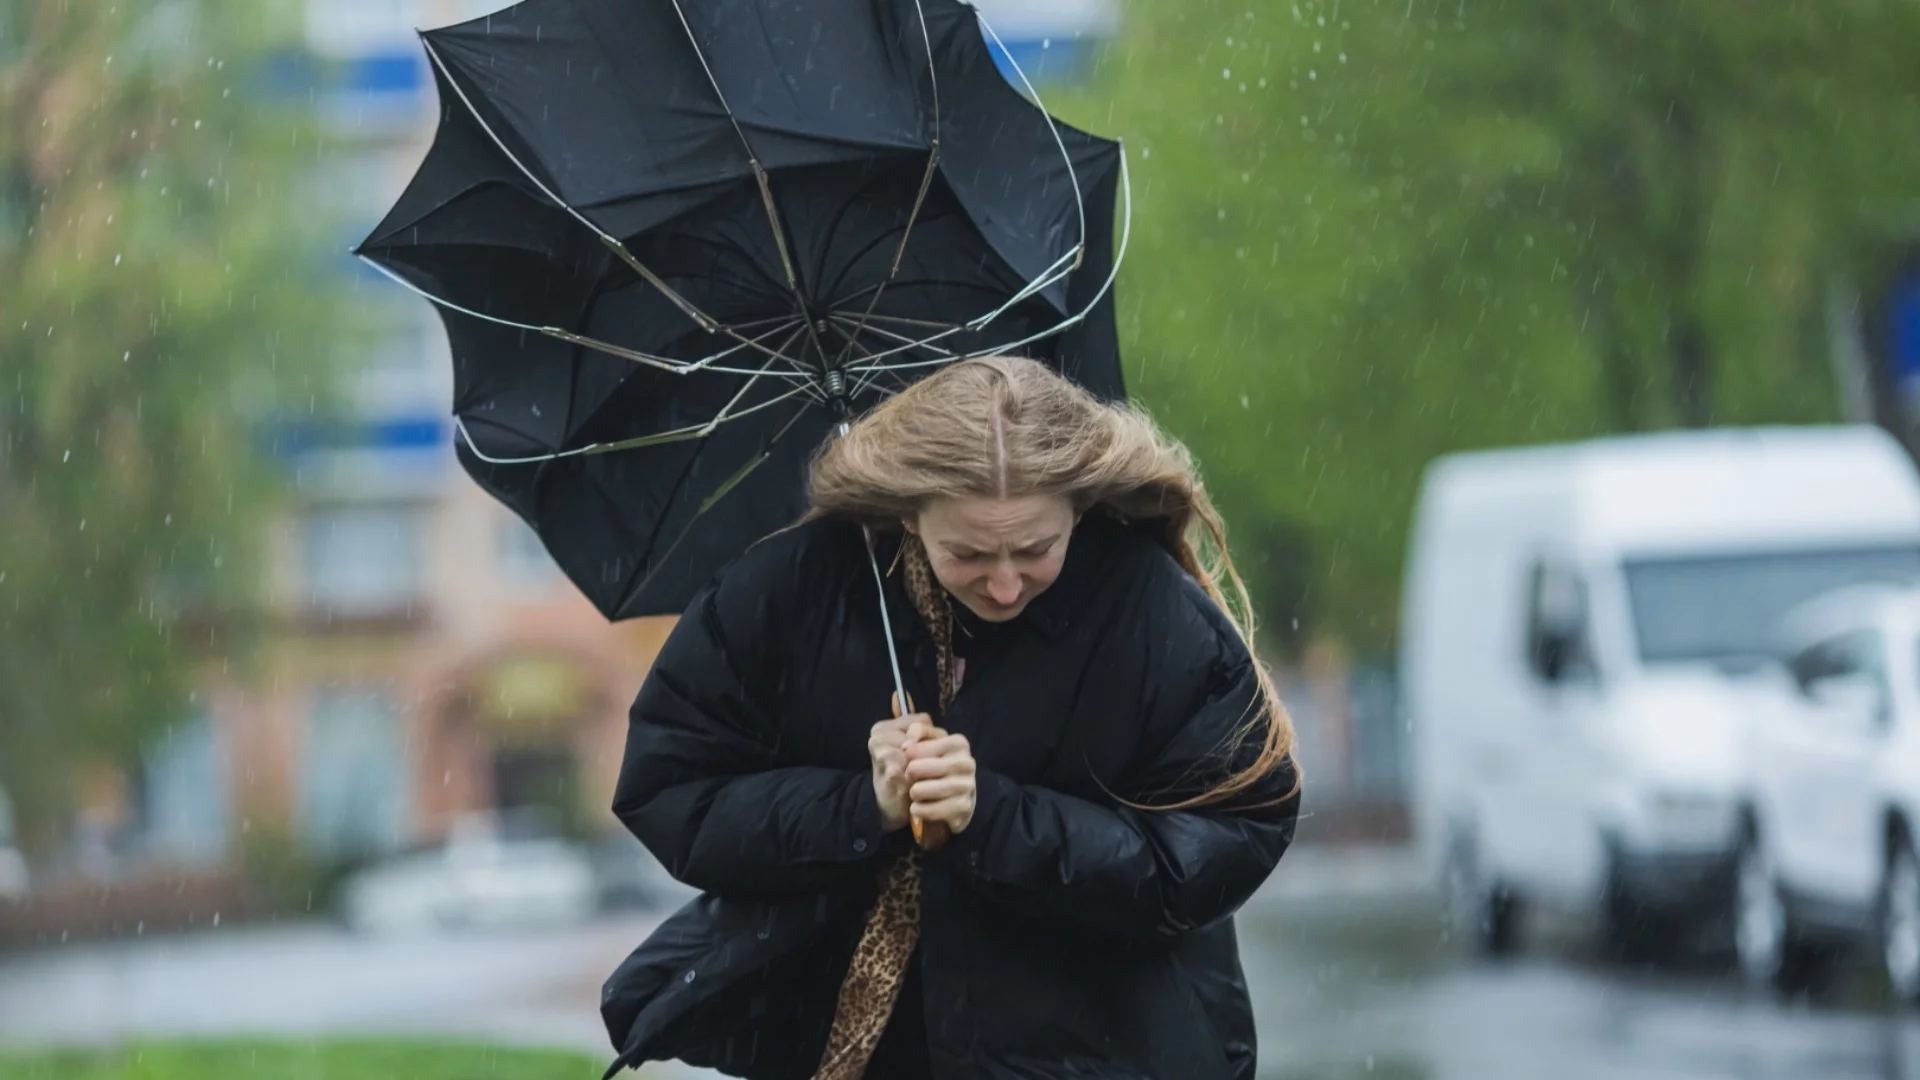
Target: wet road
x,y
1372,990
1350,977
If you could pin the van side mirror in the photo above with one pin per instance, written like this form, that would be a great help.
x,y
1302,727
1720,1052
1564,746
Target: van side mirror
x,y
1855,694
1558,652
1557,646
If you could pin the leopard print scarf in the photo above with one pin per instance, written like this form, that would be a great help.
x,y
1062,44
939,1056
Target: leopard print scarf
x,y
886,945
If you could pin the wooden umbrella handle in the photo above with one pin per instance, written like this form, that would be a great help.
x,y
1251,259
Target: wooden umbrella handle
x,y
930,835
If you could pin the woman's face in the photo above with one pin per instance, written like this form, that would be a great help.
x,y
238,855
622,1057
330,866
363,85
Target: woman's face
x,y
995,555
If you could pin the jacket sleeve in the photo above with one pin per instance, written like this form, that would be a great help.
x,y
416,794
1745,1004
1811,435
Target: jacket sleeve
x,y
1141,874
698,784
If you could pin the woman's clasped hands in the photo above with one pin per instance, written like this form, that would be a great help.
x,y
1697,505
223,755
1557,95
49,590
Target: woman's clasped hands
x,y
921,773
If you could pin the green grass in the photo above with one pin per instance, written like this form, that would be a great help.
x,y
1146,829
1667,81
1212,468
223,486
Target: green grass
x,y
318,1060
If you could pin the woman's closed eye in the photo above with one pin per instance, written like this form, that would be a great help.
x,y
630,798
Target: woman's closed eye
x,y
1039,549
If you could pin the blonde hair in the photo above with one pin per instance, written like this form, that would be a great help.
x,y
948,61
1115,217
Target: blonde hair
x,y
1007,426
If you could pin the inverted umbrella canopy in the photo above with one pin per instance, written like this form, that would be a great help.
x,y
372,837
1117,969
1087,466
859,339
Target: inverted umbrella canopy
x,y
675,242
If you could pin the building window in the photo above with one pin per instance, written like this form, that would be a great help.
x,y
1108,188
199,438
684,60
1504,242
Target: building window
x,y
363,560
354,774
187,812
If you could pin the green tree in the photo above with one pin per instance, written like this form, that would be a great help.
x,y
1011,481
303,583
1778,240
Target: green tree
x,y
1368,232
161,298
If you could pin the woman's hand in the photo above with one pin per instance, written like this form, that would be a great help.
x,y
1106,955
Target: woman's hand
x,y
886,745
940,772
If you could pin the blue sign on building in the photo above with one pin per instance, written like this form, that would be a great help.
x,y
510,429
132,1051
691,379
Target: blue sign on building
x,y
1903,330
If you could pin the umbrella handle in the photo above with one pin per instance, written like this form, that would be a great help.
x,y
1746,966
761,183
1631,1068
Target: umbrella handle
x,y
930,835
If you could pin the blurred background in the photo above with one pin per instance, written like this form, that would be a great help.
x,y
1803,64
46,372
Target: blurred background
x,y
1556,363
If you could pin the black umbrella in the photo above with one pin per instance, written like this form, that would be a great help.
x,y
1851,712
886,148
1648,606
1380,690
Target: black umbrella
x,y
675,242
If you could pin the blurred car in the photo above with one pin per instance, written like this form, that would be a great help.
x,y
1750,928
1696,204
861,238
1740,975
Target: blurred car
x,y
1581,624
1829,857
629,876
489,873
13,866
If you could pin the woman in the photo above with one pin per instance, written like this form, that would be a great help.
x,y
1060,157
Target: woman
x,y
1109,769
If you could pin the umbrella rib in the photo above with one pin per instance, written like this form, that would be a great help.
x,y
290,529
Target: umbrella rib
x,y
713,497
1064,324
1073,176
904,321
869,380
694,431
795,325
1126,235
700,431
839,318
663,363
919,199
1062,267
686,368
759,176
705,321
873,373
900,252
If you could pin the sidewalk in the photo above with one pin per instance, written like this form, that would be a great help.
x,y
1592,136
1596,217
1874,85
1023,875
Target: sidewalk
x,y
533,989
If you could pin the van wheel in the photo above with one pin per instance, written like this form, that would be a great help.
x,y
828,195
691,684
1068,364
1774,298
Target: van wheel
x,y
1485,915
1773,953
1630,932
1900,922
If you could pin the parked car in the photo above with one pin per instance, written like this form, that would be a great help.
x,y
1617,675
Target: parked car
x,y
629,876
13,867
1578,622
1828,858
488,873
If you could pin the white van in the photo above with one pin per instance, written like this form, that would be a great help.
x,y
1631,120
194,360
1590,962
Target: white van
x,y
1575,623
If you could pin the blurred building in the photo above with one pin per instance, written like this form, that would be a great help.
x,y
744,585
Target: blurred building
x,y
431,659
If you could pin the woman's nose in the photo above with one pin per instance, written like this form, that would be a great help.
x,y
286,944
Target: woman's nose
x,y
1003,586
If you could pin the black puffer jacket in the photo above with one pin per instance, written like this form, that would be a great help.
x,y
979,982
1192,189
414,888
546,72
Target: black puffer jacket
x,y
1064,934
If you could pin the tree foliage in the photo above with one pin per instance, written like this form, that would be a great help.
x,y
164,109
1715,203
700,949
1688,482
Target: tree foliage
x,y
158,298
1368,232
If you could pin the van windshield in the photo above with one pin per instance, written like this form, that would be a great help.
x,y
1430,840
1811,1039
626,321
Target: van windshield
x,y
1726,607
